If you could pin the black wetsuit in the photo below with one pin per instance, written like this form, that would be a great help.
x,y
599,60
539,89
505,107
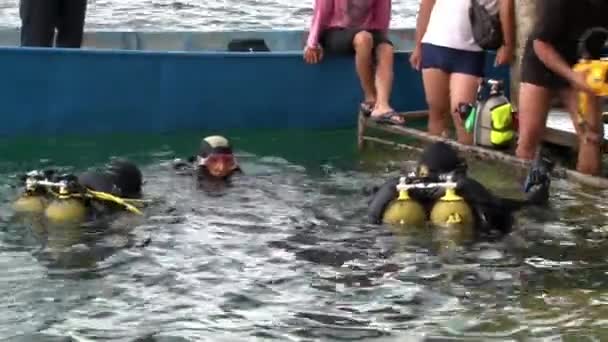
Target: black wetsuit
x,y
491,213
40,18
119,178
562,23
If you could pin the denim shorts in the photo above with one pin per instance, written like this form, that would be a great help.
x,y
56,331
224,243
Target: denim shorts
x,y
453,60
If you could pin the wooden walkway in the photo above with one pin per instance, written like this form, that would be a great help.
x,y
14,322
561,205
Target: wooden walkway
x,y
558,132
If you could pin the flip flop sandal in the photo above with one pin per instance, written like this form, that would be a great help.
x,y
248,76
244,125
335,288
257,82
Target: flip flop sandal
x,y
367,108
387,118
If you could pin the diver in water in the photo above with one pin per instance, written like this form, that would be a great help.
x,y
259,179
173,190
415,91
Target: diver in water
x,y
214,161
441,191
90,196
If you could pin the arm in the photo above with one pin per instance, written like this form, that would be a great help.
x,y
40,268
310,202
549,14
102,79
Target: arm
x,y
552,59
322,9
424,15
507,22
382,14
552,28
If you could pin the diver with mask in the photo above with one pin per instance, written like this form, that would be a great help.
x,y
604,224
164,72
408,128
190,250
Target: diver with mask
x,y
87,197
440,191
215,161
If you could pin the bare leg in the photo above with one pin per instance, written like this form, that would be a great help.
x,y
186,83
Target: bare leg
x,y
437,91
534,104
590,137
463,88
363,44
384,81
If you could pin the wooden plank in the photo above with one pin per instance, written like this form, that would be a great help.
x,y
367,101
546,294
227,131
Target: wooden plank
x,y
484,153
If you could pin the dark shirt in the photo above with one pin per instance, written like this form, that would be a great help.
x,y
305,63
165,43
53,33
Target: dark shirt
x,y
562,23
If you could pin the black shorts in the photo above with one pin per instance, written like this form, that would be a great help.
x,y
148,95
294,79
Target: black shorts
x,y
534,71
340,40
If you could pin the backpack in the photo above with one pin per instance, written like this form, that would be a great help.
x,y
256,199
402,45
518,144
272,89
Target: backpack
x,y
494,126
487,30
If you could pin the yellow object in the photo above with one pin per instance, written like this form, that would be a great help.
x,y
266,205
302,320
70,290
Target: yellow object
x,y
29,204
107,197
70,210
502,132
596,75
452,210
404,211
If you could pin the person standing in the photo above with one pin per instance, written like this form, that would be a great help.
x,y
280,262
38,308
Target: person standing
x,y
40,19
452,62
562,29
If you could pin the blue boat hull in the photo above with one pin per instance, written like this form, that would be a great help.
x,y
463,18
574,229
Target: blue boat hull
x,y
92,91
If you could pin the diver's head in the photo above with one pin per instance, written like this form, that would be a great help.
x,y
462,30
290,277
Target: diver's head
x,y
215,157
439,158
127,177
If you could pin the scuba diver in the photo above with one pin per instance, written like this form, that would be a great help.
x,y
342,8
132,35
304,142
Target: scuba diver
x,y
440,190
214,161
82,219
88,197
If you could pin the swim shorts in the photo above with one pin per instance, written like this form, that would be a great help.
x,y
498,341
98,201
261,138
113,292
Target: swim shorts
x,y
453,60
340,40
534,71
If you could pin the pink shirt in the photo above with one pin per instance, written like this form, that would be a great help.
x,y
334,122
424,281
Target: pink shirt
x,y
364,14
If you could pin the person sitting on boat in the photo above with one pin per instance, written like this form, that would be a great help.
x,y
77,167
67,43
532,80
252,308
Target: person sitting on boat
x,y
87,197
441,190
215,160
563,33
359,28
451,60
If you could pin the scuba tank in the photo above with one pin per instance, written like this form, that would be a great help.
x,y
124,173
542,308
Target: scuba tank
x,y
66,208
404,211
451,210
491,119
30,204
34,199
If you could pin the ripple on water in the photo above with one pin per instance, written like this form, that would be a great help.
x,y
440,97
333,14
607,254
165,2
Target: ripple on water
x,y
283,255
169,15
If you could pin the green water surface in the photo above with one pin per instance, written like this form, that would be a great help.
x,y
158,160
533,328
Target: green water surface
x,y
286,254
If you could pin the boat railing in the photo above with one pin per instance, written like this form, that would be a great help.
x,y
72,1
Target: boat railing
x,y
194,41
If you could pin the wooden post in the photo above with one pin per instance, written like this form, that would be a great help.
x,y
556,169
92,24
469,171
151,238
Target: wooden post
x,y
525,17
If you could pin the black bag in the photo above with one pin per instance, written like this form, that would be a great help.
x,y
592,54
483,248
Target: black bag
x,y
487,30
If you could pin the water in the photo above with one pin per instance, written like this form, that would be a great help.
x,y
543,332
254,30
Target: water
x,y
284,255
167,15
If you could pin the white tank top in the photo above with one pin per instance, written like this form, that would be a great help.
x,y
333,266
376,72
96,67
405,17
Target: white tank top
x,y
449,25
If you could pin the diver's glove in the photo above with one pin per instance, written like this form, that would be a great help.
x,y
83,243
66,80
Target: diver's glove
x,y
538,180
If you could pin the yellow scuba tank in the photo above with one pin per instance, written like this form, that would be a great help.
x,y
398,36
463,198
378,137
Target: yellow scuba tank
x,y
404,210
66,209
69,210
452,211
30,204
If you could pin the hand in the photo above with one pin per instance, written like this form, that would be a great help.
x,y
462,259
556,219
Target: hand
x,y
313,55
578,80
504,55
416,57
